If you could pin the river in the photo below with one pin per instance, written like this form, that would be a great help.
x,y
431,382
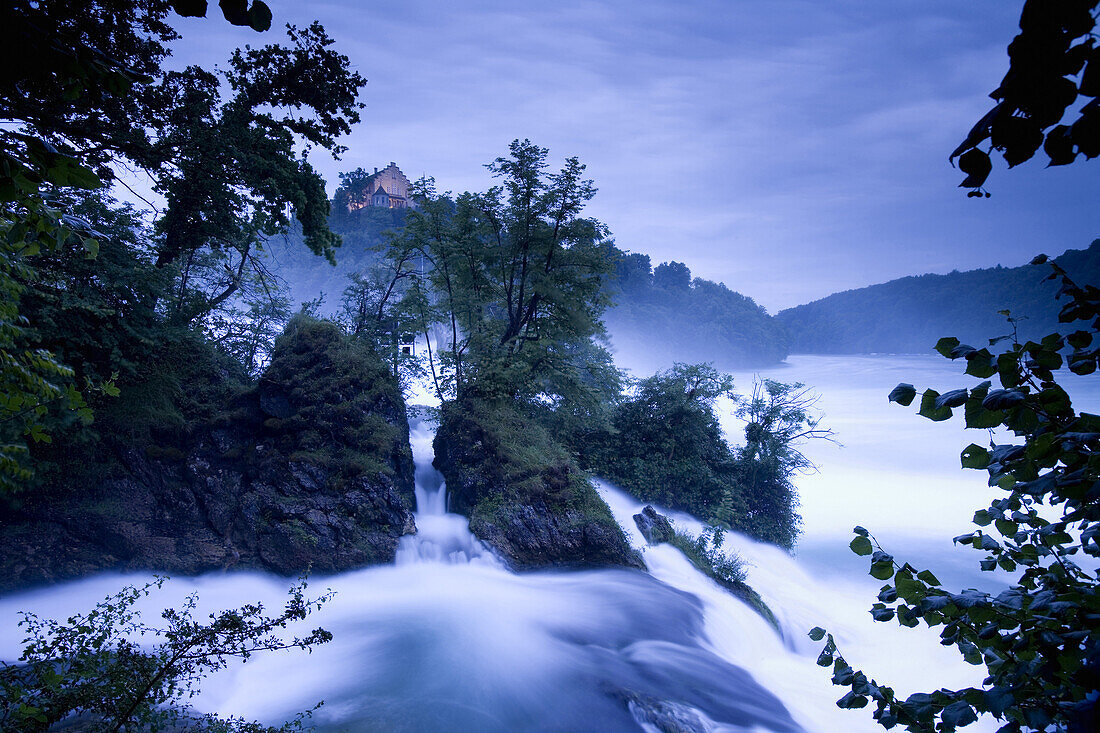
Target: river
x,y
449,639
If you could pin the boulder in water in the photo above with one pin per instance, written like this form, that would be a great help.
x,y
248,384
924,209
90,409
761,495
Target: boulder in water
x,y
524,494
654,527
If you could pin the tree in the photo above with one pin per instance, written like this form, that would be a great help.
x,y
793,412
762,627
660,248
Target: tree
x,y
665,444
1054,63
672,276
515,273
779,419
85,101
233,175
90,671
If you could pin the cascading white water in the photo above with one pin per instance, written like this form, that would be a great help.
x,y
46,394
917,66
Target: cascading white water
x,y
448,639
440,536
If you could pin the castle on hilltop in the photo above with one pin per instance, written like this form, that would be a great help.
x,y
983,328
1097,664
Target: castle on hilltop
x,y
387,188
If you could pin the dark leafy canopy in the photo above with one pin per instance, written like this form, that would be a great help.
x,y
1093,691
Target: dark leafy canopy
x,y
90,671
514,274
92,96
666,446
1054,69
1040,639
67,72
282,96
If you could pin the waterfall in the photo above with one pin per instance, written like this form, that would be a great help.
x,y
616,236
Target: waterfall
x,y
448,638
440,536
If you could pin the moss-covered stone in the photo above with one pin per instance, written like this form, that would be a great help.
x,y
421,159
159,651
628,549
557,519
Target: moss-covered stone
x,y
523,493
309,468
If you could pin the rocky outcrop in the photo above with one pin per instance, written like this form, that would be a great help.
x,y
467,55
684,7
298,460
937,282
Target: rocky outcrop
x,y
524,495
308,470
658,529
654,527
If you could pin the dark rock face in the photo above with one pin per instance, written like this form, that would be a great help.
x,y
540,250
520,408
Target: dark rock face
x,y
535,510
654,527
255,490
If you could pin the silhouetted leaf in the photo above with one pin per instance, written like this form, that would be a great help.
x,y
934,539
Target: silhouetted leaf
x,y
903,394
976,165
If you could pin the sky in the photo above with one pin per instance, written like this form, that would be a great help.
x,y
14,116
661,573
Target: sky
x,y
787,148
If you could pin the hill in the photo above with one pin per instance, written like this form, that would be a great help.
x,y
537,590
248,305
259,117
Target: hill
x,y
658,315
662,315
307,275
910,314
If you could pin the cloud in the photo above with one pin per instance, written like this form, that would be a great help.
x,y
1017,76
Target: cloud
x,y
789,148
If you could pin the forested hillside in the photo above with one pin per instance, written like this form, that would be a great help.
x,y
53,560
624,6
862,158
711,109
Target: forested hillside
x,y
658,316
662,315
307,277
910,314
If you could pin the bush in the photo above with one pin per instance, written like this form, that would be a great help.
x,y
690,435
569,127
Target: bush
x,y
89,670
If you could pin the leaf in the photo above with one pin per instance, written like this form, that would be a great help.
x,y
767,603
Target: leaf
x,y
1002,399
979,363
946,345
817,633
1017,137
852,701
929,408
928,577
976,165
977,416
958,714
259,16
882,566
903,394
861,546
190,8
954,398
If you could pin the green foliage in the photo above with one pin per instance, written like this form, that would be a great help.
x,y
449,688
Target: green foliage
x,y
907,315
705,553
727,569
92,96
32,379
1054,68
666,315
514,276
517,459
98,669
235,175
665,446
1038,639
342,401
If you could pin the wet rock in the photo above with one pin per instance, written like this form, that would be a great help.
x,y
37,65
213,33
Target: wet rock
x,y
524,495
654,527
255,490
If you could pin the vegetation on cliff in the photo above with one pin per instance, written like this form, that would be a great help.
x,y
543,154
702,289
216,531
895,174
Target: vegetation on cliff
x,y
524,494
665,445
308,465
